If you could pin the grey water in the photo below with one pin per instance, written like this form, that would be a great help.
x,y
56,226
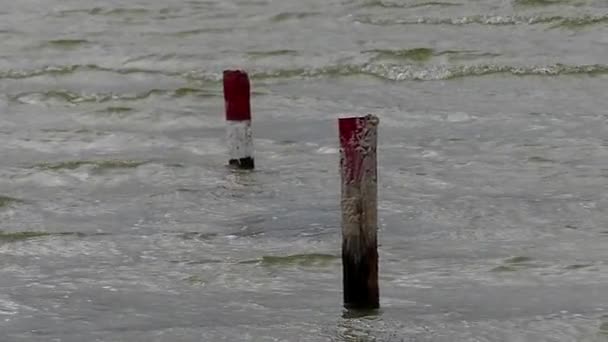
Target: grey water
x,y
120,222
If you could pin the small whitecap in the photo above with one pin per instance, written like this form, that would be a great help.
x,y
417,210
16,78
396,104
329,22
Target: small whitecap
x,y
438,183
458,117
44,179
8,307
31,99
110,288
81,176
327,150
204,147
430,154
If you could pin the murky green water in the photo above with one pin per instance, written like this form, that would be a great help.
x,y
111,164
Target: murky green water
x,y
119,221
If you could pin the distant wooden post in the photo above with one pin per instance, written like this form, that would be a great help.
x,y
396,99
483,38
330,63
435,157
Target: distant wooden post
x,y
358,164
238,119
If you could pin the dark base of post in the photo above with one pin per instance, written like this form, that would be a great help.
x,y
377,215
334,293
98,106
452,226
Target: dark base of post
x,y
243,163
360,275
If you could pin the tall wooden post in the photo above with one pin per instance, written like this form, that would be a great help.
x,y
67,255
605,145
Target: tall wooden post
x,y
238,119
358,164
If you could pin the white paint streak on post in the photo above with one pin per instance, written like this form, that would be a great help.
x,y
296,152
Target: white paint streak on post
x,y
238,118
358,164
238,134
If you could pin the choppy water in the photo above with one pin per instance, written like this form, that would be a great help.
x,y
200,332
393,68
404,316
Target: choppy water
x,y
119,221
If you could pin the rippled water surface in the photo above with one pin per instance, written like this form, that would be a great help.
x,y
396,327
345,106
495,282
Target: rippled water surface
x,y
119,221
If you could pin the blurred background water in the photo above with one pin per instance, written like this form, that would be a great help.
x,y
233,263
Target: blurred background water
x,y
119,221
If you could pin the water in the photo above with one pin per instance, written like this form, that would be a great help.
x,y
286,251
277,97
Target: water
x,y
119,221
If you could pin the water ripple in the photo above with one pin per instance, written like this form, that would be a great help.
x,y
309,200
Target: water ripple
x,y
540,2
98,164
377,69
441,72
106,11
67,43
6,201
400,72
293,15
386,4
492,20
71,69
75,98
6,237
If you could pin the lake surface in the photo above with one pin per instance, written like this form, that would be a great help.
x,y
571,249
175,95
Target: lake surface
x,y
120,222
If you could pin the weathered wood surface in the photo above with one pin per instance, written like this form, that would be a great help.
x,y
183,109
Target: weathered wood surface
x,y
358,165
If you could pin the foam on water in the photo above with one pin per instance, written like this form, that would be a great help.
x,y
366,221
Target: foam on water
x,y
10,308
496,20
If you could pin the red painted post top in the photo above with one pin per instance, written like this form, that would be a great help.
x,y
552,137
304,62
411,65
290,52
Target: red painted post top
x,y
358,139
236,95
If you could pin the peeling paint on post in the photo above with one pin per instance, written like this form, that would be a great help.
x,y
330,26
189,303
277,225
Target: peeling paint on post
x,y
358,166
238,119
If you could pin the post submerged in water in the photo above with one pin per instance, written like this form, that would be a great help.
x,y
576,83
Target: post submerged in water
x,y
238,119
358,168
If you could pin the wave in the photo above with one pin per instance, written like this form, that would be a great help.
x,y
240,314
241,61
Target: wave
x,y
66,43
6,201
312,259
118,109
434,3
293,15
492,20
420,55
106,11
416,54
541,2
98,165
195,32
6,237
185,91
271,53
385,4
582,21
70,69
76,98
395,72
404,73
49,70
400,72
